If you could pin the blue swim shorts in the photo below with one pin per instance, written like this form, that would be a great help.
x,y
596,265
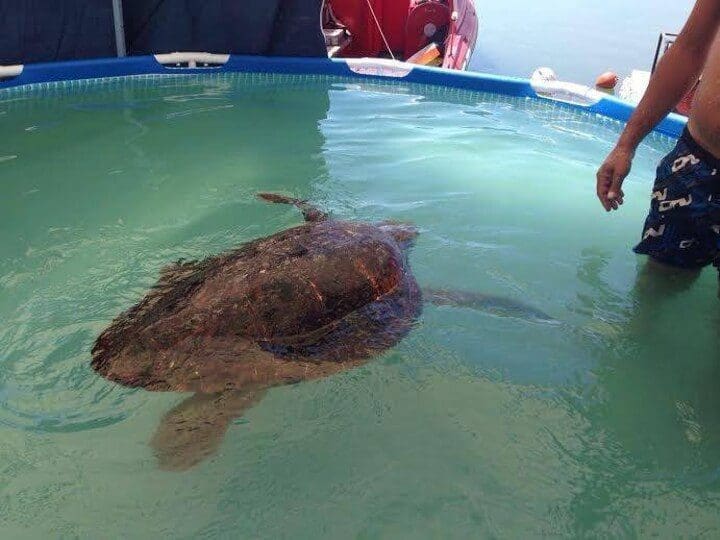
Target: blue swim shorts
x,y
683,226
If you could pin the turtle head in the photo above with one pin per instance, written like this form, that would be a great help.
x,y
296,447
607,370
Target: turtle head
x,y
403,233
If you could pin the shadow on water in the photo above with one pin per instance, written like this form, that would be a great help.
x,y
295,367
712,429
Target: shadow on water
x,y
652,443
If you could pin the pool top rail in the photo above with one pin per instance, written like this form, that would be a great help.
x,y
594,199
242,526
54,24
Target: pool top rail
x,y
567,94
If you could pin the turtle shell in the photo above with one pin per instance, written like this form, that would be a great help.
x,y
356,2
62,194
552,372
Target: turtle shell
x,y
303,303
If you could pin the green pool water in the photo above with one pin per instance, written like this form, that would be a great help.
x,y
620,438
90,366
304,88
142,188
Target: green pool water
x,y
475,425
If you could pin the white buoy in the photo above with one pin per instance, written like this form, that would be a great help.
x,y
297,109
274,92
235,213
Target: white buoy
x,y
544,74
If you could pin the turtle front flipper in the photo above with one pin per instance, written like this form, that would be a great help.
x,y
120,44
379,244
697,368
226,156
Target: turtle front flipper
x,y
310,213
497,305
193,430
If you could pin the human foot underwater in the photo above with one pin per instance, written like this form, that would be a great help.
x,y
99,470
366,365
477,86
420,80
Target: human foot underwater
x,y
305,303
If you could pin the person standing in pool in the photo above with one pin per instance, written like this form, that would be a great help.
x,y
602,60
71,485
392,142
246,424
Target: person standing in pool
x,y
682,229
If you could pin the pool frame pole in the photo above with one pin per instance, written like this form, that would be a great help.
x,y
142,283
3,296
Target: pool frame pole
x,y
119,28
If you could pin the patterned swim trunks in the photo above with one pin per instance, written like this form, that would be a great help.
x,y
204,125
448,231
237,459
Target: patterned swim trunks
x,y
683,226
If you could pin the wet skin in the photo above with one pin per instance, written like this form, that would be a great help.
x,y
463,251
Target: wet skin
x,y
704,122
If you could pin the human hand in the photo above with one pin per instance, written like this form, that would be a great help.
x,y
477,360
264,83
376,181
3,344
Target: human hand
x,y
610,177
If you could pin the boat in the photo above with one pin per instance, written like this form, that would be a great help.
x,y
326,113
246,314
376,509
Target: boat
x,y
440,33
194,34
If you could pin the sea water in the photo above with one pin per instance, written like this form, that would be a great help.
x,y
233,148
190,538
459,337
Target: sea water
x,y
475,425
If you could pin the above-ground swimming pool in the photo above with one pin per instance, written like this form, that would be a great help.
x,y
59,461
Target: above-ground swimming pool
x,y
476,424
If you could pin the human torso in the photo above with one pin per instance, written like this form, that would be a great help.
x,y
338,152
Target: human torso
x,y
704,123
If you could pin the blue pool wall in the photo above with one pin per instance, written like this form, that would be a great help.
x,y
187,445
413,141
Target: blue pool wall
x,y
609,106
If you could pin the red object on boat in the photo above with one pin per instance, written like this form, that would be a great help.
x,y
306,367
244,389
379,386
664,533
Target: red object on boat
x,y
463,33
425,19
403,26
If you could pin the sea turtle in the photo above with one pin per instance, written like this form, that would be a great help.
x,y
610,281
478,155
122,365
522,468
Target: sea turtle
x,y
304,303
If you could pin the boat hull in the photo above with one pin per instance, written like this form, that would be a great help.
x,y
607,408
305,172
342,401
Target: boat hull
x,y
441,32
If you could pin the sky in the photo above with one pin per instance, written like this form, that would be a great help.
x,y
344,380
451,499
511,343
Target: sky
x,y
579,39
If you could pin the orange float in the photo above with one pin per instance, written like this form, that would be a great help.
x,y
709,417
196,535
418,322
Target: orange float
x,y
607,80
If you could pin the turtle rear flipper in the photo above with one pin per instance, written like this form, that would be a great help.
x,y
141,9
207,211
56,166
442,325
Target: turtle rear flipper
x,y
310,213
497,305
194,429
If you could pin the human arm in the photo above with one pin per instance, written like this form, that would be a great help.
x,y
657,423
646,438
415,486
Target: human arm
x,y
676,72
